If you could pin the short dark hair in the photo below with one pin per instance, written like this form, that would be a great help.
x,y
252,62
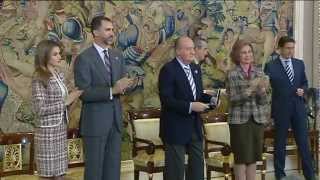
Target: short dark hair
x,y
96,22
285,39
236,49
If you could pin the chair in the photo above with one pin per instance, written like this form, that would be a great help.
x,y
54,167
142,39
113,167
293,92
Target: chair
x,y
218,154
291,147
75,149
17,156
148,150
75,154
313,111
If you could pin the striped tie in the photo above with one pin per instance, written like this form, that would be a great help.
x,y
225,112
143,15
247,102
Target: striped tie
x,y
191,82
107,64
289,71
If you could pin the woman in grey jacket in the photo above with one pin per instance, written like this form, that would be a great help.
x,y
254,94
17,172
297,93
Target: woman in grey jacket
x,y
248,110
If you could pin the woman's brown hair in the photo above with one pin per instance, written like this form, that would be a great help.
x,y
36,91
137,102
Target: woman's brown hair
x,y
236,48
42,57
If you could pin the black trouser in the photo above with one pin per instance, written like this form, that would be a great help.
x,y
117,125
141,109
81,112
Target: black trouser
x,y
300,132
175,161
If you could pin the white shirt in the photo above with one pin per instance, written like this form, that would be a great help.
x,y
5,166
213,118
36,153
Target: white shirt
x,y
187,66
284,64
100,51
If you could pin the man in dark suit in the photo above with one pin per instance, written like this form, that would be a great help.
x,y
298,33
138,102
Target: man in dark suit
x,y
181,95
289,83
100,72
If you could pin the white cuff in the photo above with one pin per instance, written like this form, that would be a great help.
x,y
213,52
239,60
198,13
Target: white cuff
x,y
111,96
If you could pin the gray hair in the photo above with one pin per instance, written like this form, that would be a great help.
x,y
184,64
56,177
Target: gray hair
x,y
200,42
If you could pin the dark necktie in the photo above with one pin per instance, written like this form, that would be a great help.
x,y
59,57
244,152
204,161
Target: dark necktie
x,y
107,65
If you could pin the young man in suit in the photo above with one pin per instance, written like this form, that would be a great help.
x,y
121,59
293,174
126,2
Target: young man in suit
x,y
100,72
289,83
182,100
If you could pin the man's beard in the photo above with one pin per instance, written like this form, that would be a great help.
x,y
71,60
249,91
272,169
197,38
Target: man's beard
x,y
108,41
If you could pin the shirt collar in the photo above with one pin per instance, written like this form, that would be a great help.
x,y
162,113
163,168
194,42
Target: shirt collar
x,y
251,69
99,48
284,59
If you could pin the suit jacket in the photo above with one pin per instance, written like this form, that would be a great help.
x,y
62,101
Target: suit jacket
x,y
176,123
48,102
99,111
284,96
242,106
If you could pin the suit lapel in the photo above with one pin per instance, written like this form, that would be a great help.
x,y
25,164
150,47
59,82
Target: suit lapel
x,y
114,60
53,83
253,72
240,72
256,72
295,70
99,63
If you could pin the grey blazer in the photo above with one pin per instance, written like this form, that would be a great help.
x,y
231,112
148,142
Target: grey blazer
x,y
99,111
241,106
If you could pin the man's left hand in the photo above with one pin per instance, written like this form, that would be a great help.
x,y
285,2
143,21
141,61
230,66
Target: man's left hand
x,y
300,92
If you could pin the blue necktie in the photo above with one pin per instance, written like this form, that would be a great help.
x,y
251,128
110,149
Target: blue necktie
x,y
289,71
191,81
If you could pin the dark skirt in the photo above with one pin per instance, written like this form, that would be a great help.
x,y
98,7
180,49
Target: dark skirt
x,y
51,150
246,142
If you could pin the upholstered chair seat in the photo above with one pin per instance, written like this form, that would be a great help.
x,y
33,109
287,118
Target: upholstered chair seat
x,y
219,157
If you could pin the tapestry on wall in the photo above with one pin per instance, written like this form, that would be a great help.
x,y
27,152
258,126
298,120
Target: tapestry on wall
x,y
146,31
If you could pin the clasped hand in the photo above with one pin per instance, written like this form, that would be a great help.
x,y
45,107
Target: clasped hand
x,y
258,85
72,96
123,84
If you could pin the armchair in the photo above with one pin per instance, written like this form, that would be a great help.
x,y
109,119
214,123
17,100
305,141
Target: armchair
x,y
148,150
218,153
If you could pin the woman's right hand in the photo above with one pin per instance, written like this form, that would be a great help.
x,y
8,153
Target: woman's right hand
x,y
73,95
